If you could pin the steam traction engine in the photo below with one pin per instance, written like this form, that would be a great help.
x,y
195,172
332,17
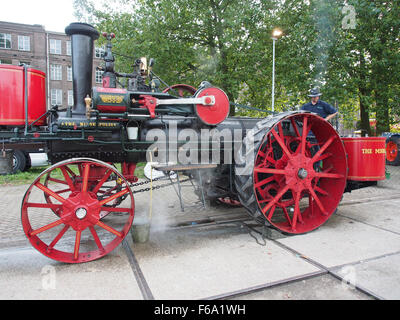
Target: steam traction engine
x,y
288,170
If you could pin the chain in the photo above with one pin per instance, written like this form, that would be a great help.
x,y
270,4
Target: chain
x,y
154,187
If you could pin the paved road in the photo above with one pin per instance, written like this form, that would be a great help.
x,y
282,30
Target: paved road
x,y
355,255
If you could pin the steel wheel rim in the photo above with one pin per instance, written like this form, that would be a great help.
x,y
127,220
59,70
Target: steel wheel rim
x,y
304,196
78,233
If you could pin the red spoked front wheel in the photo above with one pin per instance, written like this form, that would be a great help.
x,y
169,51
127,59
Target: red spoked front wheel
x,y
86,211
299,173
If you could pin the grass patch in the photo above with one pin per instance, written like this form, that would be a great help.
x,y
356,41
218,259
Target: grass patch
x,y
30,175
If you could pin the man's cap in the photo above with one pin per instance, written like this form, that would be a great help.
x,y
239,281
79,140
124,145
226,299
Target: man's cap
x,y
314,92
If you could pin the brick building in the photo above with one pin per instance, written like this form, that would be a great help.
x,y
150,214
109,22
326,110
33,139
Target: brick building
x,y
47,51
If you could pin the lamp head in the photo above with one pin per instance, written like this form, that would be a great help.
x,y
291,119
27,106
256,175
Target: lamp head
x,y
276,33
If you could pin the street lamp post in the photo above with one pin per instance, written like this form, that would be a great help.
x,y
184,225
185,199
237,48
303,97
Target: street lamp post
x,y
275,35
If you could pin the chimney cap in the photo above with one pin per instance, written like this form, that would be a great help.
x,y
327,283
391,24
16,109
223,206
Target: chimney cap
x,y
82,28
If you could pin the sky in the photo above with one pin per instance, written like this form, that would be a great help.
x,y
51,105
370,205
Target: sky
x,y
54,15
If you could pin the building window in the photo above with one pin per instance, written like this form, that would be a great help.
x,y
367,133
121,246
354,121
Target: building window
x,y
99,76
56,97
55,46
5,61
68,48
5,41
69,73
99,52
56,72
70,98
24,43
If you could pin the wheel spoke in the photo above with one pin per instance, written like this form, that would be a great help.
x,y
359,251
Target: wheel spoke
x,y
63,191
316,199
294,125
96,238
49,192
271,212
77,244
46,227
85,177
296,213
281,143
323,148
57,180
304,136
57,238
287,216
280,130
321,191
328,175
109,229
275,199
67,178
310,205
114,196
69,171
102,181
269,170
264,181
324,156
43,205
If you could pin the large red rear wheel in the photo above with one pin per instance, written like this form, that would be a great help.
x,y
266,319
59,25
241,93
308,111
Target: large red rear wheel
x,y
86,212
297,176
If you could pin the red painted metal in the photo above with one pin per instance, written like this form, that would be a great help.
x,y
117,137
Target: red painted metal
x,y
12,95
391,151
214,114
128,171
114,99
85,215
366,158
299,183
150,103
182,89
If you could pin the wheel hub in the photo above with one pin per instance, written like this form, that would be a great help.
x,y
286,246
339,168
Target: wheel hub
x,y
81,213
302,173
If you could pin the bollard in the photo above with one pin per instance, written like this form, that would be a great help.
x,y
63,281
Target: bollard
x,y
140,230
6,161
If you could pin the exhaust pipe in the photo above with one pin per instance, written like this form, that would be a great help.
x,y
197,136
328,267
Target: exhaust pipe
x,y
82,38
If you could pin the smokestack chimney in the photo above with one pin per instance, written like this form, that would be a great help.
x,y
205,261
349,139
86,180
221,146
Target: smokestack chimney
x,y
82,38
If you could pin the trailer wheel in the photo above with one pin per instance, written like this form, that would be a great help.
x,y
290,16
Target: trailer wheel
x,y
77,225
286,180
393,151
20,161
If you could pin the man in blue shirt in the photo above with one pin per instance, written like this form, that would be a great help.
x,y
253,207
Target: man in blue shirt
x,y
322,108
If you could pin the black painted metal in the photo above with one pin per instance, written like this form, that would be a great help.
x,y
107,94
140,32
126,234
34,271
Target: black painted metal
x,y
82,37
